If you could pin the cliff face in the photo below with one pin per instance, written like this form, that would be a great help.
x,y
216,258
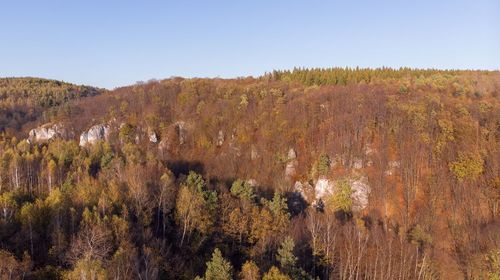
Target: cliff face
x,y
96,133
47,132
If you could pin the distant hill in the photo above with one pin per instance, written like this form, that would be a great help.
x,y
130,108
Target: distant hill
x,y
24,100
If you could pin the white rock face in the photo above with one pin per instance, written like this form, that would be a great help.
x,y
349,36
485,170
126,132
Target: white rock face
x,y
361,191
180,128
252,182
291,166
46,132
305,190
95,133
152,137
323,187
220,138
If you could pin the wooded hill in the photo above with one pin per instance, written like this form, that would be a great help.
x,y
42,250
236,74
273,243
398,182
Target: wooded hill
x,y
303,174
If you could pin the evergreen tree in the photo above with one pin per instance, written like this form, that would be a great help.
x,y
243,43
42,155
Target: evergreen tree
x,y
218,268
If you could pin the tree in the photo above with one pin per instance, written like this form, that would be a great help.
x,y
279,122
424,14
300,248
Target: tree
x,y
467,166
218,268
11,268
165,196
249,271
341,198
285,255
275,274
321,166
243,190
51,170
93,241
195,206
85,268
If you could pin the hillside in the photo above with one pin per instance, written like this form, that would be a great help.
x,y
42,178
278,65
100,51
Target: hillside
x,y
23,100
328,173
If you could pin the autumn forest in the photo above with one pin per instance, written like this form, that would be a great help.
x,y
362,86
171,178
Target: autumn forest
x,y
338,173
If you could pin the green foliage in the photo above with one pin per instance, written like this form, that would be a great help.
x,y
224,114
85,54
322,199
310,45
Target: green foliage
x,y
285,255
196,182
127,133
218,268
341,198
420,237
278,205
321,166
243,190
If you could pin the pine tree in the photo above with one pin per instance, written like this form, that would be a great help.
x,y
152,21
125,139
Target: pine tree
x,y
218,268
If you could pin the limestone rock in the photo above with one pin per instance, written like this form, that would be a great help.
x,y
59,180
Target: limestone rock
x,y
95,133
305,190
323,187
47,132
252,182
153,138
361,191
220,138
291,166
180,128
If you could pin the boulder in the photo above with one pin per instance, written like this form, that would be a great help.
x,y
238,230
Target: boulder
x,y
96,133
47,132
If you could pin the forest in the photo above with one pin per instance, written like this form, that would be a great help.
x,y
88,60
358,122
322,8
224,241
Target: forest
x,y
336,173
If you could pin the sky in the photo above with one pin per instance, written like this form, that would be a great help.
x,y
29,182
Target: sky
x,y
111,43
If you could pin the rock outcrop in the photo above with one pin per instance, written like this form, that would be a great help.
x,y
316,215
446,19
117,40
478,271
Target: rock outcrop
x,y
96,133
360,191
220,138
322,188
153,138
180,128
47,132
291,166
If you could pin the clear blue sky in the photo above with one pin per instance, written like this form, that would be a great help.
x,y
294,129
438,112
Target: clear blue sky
x,y
111,43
